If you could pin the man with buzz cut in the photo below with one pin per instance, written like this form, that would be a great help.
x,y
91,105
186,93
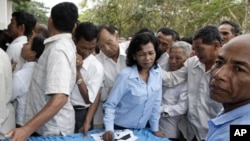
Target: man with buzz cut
x,y
229,85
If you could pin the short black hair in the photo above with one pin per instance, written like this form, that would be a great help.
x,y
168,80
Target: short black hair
x,y
86,30
4,39
38,45
187,39
208,34
235,27
135,46
145,30
29,21
64,16
170,32
110,28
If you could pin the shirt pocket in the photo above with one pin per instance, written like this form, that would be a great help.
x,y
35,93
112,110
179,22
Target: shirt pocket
x,y
136,96
156,89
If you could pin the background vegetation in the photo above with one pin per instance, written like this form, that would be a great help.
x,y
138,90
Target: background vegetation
x,y
128,16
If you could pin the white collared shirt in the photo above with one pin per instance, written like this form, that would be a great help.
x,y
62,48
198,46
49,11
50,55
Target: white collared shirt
x,y
21,83
7,115
14,51
175,104
163,61
201,106
55,72
92,73
111,69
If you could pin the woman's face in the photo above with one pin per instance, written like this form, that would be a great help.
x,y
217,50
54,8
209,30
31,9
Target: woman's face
x,y
146,56
26,52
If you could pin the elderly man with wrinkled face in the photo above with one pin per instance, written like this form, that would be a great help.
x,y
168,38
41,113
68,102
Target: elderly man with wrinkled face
x,y
229,85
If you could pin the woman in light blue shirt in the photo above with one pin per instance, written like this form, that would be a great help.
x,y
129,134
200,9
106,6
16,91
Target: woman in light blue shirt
x,y
136,94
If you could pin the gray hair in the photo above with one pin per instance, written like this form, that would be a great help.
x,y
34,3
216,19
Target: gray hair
x,y
187,48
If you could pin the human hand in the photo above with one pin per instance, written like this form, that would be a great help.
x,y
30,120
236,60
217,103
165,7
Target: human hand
x,y
84,129
108,136
79,62
159,134
13,64
18,134
110,88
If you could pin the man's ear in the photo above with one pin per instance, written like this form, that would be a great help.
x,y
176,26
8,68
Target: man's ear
x,y
21,28
217,44
50,22
33,55
117,36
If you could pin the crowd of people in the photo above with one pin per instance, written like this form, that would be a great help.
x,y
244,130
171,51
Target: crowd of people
x,y
56,78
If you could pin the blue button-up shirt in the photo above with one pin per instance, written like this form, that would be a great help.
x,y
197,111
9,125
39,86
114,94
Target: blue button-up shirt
x,y
132,102
219,127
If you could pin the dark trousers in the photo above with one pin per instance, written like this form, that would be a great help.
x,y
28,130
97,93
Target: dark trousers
x,y
80,115
117,127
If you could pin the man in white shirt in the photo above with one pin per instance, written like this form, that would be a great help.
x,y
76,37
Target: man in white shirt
x,y
31,52
89,77
112,56
49,110
196,70
166,37
19,29
175,99
7,116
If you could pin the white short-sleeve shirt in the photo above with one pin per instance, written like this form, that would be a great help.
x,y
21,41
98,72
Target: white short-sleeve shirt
x,y
14,51
7,115
21,84
92,73
111,68
55,72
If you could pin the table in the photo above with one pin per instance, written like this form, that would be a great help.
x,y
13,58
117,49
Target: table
x,y
142,134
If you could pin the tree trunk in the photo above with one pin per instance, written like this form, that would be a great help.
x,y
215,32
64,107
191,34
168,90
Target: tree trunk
x,y
246,22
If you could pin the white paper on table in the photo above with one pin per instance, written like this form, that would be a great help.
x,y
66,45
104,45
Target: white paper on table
x,y
120,135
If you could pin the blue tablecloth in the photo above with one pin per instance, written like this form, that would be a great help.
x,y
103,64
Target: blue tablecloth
x,y
142,134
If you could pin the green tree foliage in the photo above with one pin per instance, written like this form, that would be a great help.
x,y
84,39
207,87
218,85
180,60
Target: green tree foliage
x,y
37,8
185,16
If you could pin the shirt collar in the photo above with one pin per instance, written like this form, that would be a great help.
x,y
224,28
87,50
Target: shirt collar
x,y
232,115
200,65
29,64
57,37
135,72
86,62
20,38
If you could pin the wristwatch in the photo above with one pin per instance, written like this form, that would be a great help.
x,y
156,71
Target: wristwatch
x,y
79,81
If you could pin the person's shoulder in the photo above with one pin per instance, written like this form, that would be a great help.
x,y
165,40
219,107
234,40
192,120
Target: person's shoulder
x,y
193,59
100,56
244,120
3,53
94,62
192,62
126,72
4,56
